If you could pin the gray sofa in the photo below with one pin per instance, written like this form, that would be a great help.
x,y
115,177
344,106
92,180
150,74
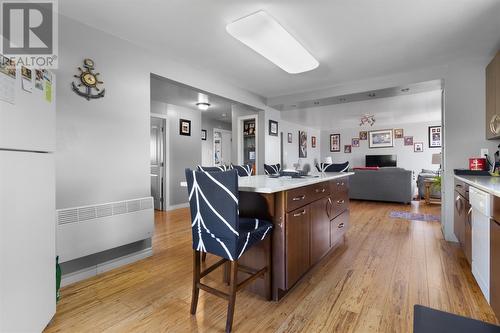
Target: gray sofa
x,y
384,184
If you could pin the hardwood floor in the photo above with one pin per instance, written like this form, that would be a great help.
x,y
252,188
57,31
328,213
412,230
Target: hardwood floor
x,y
368,285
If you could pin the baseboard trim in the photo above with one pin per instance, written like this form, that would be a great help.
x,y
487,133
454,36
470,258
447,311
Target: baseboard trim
x,y
174,207
104,267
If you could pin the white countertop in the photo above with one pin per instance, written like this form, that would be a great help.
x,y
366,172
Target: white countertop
x,y
485,183
265,184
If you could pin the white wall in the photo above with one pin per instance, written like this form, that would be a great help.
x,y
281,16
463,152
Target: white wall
x,y
464,114
291,150
406,157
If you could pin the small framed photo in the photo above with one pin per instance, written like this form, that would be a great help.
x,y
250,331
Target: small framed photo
x,y
408,140
380,139
302,144
289,137
418,147
335,143
204,134
273,128
398,133
347,149
435,137
185,127
355,142
363,135
313,141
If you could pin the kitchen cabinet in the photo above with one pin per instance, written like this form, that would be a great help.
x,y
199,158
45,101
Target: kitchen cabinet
x,y
495,266
298,246
462,226
320,228
493,98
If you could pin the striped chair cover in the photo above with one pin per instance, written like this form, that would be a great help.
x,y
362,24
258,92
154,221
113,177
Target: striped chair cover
x,y
244,170
332,167
212,169
272,169
216,226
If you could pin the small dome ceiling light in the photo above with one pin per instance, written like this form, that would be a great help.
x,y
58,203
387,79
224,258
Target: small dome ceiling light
x,y
203,106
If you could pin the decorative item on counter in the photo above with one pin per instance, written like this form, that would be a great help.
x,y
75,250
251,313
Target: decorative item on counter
x,y
88,81
398,133
363,135
478,163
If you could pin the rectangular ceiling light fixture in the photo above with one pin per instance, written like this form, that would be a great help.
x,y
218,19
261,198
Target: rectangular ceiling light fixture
x,y
260,32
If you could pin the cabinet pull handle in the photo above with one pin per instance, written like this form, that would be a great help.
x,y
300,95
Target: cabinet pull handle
x,y
470,211
340,201
322,190
303,212
340,184
341,225
328,207
300,197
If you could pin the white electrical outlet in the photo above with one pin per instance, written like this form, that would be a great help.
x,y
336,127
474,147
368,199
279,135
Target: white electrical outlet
x,y
484,151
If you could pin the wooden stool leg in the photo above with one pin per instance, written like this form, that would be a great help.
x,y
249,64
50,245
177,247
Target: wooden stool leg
x,y
227,273
267,275
203,256
196,280
232,295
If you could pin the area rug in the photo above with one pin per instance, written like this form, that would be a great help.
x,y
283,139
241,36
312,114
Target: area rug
x,y
414,216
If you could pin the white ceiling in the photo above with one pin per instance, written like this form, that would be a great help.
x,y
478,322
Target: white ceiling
x,y
352,39
175,93
397,110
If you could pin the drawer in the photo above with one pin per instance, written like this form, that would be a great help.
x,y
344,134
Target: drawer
x,y
339,185
339,203
462,188
339,226
302,196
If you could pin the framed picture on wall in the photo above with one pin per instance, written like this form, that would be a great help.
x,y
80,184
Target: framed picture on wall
x,y
185,127
380,139
204,134
302,144
398,133
355,142
435,136
418,147
347,149
408,140
273,128
363,135
289,137
335,143
313,141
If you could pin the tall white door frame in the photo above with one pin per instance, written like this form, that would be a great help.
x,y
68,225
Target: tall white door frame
x,y
213,143
166,169
240,139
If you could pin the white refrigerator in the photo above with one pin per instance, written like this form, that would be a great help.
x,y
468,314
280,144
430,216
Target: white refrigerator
x,y
27,205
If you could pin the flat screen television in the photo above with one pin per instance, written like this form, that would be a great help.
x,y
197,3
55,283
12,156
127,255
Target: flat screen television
x,y
380,160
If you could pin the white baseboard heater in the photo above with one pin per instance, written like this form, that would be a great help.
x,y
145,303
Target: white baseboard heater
x,y
82,231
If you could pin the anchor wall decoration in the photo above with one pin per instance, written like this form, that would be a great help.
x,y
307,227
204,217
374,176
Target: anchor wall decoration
x,y
87,81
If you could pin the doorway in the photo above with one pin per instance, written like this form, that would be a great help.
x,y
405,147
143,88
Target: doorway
x,y
222,147
157,162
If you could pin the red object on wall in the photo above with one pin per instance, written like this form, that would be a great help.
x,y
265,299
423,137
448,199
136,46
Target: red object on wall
x,y
477,163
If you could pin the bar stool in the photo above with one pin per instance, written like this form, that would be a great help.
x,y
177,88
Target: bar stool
x,y
212,169
332,167
243,170
217,229
272,169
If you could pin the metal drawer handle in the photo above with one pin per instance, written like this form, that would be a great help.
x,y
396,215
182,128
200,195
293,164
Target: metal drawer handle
x,y
341,225
301,213
340,184
301,197
322,190
340,201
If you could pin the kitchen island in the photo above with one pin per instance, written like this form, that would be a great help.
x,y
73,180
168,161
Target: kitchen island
x,y
310,217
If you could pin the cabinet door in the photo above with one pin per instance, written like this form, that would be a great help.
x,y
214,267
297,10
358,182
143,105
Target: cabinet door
x,y
320,229
495,267
467,220
339,226
458,220
297,244
491,101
